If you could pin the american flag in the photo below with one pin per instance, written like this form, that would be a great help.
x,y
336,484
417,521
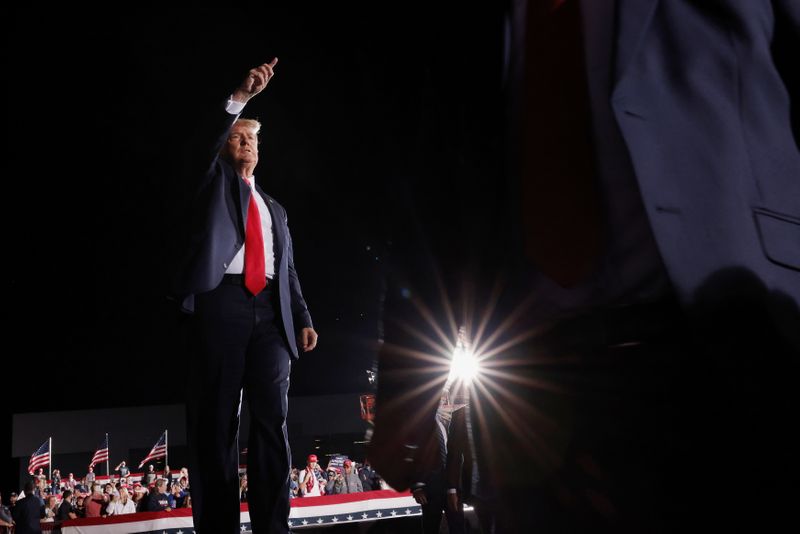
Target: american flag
x,y
159,450
40,458
101,455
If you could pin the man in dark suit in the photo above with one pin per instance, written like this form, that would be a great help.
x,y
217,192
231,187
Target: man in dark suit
x,y
249,320
651,243
28,512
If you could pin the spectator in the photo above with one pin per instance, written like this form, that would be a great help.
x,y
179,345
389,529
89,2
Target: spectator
x,y
177,497
70,483
294,485
243,488
140,497
310,477
66,509
27,512
122,504
95,503
55,483
41,478
82,486
185,474
80,506
110,490
159,500
89,478
5,517
150,476
50,509
368,477
123,469
352,484
167,476
335,485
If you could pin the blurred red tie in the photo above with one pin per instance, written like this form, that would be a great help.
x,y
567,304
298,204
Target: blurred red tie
x,y
562,217
255,277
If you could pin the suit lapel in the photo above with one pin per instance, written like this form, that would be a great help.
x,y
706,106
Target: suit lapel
x,y
244,200
633,21
278,228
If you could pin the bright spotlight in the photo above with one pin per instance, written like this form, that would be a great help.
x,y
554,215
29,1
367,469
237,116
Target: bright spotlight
x,y
464,365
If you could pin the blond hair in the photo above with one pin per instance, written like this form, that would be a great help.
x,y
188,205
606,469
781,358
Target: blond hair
x,y
250,124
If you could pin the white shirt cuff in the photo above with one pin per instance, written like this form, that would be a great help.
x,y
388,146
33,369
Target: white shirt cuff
x,y
233,107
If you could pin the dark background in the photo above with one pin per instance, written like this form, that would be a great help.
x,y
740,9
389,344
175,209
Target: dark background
x,y
366,99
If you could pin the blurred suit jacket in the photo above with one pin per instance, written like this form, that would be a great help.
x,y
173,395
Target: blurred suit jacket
x,y
707,98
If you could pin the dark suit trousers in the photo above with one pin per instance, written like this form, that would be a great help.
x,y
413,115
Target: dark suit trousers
x,y
238,347
432,512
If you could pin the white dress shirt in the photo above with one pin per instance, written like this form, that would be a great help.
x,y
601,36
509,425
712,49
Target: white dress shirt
x,y
237,264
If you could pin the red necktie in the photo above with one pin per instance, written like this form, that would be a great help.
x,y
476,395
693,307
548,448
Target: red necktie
x,y
562,212
255,278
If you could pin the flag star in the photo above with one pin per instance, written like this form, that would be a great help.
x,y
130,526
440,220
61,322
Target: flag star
x,y
408,511
364,516
349,517
179,532
335,519
305,522
379,514
319,521
291,523
394,513
243,528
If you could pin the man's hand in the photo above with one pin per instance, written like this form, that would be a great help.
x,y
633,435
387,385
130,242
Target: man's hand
x,y
257,79
419,496
452,502
307,339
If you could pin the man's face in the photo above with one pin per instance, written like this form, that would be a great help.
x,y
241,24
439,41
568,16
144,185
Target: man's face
x,y
242,145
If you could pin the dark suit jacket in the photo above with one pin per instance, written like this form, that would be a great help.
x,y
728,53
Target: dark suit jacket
x,y
707,98
219,201
27,513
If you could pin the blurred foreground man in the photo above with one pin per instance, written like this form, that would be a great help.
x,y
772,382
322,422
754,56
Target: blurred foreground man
x,y
640,352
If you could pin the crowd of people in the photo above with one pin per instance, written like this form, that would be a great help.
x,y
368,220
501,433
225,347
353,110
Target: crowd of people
x,y
313,480
56,499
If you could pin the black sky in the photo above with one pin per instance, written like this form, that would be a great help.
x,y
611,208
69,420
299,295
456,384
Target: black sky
x,y
97,114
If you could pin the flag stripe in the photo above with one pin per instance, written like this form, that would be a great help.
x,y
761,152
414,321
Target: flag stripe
x,y
40,458
101,454
159,450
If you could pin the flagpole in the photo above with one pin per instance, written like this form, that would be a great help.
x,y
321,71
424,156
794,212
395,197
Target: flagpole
x,y
108,455
166,448
50,459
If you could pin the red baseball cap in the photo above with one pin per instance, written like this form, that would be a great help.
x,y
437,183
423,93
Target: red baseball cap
x,y
312,458
347,462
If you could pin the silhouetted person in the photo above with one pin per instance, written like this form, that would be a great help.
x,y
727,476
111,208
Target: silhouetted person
x,y
28,512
